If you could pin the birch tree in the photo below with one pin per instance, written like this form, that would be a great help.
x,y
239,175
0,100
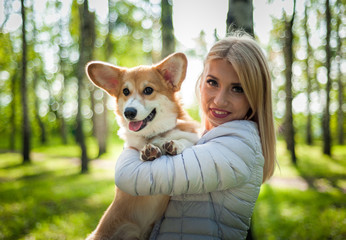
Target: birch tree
x,y
240,15
289,58
326,113
86,44
23,90
340,76
168,40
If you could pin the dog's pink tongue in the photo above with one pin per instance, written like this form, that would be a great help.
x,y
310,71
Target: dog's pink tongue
x,y
135,126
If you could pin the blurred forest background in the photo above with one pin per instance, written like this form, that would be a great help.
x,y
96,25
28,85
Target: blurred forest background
x,y
55,125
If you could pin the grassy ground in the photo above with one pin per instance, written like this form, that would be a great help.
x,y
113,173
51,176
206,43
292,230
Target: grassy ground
x,y
304,202
50,199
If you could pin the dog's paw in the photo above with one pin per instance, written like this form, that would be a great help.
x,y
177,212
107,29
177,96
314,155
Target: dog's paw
x,y
150,152
172,147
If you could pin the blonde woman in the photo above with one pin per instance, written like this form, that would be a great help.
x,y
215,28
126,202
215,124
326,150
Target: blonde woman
x,y
214,185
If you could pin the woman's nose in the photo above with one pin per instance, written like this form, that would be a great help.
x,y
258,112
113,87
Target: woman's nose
x,y
221,98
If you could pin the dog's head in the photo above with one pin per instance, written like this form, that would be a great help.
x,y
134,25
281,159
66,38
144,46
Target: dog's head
x,y
145,95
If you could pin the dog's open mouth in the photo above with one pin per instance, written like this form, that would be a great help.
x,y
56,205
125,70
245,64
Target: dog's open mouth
x,y
139,125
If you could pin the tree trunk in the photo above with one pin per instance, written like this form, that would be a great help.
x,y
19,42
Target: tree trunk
x,y
103,135
111,25
240,16
13,112
24,99
168,41
326,114
104,119
288,55
98,104
85,49
309,135
340,123
100,121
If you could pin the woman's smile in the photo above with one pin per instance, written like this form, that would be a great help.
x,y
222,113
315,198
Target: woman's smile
x,y
219,113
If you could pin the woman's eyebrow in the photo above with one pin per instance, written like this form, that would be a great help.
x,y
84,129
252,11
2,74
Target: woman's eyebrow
x,y
211,76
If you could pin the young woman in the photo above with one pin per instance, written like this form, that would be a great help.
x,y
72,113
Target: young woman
x,y
214,185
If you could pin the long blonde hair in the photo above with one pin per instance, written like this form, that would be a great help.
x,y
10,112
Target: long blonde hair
x,y
249,62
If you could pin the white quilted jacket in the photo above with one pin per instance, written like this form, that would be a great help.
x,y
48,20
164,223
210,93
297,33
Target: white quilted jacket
x,y
214,185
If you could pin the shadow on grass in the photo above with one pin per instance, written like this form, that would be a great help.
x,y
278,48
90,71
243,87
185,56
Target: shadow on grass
x,y
16,165
295,214
322,172
40,200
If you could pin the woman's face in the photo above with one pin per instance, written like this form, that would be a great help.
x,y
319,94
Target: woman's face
x,y
222,96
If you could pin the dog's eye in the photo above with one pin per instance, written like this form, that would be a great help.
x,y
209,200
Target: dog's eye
x,y
148,91
126,91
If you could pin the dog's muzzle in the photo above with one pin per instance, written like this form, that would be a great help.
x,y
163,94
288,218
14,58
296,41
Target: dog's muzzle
x,y
130,113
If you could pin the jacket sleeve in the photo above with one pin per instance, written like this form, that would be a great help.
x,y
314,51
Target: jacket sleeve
x,y
220,163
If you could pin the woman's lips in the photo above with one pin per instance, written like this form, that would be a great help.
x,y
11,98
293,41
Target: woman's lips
x,y
218,113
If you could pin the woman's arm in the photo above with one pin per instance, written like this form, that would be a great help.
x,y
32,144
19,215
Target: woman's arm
x,y
219,164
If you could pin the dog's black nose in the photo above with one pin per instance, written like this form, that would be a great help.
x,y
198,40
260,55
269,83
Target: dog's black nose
x,y
130,113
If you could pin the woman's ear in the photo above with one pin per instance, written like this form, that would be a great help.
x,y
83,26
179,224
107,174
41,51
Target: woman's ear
x,y
105,76
173,69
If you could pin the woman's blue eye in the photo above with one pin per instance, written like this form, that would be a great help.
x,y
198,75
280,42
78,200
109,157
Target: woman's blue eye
x,y
238,89
212,82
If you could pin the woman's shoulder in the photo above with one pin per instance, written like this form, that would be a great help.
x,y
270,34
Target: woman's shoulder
x,y
240,128
241,124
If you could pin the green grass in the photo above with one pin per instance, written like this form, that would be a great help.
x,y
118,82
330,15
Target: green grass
x,y
316,213
50,199
294,214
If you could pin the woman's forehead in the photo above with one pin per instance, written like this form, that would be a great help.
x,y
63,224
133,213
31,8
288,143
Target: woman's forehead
x,y
221,69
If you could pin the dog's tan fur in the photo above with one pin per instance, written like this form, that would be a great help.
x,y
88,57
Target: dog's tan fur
x,y
169,132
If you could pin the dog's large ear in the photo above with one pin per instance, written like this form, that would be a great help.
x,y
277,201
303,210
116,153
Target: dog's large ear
x,y
105,76
173,69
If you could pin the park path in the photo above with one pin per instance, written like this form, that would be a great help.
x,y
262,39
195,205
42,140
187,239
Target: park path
x,y
289,182
297,182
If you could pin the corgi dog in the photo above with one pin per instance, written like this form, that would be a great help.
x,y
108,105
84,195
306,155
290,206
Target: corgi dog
x,y
151,120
